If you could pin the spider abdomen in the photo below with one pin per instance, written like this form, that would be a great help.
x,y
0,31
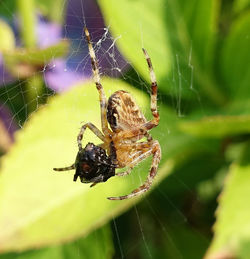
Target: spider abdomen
x,y
122,112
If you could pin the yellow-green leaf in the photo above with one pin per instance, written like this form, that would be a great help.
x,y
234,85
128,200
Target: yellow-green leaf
x,y
39,206
83,248
232,227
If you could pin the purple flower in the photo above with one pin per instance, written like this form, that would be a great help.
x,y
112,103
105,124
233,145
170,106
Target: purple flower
x,y
47,33
59,77
82,13
61,74
5,76
8,120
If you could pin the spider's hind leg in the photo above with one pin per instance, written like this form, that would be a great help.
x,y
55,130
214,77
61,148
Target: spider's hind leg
x,y
156,151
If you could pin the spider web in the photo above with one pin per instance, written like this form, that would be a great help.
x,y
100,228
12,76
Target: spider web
x,y
17,110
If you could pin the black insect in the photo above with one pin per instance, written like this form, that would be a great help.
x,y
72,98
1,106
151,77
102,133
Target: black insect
x,y
92,165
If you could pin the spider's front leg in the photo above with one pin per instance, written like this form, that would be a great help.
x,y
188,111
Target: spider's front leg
x,y
72,167
93,128
102,97
154,89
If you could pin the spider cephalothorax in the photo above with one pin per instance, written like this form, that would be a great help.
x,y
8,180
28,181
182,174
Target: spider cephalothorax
x,y
93,165
128,126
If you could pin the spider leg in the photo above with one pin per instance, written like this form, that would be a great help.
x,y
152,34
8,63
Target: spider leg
x,y
72,167
143,129
93,184
93,128
102,97
156,152
125,173
136,156
149,137
154,87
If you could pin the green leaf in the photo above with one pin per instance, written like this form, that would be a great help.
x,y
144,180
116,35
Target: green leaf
x,y
235,58
34,198
179,36
217,126
194,25
100,239
7,8
144,28
24,62
232,227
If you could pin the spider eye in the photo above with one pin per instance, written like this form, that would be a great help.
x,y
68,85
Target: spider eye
x,y
93,165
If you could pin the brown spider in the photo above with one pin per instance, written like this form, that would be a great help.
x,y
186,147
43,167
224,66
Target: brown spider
x,y
128,125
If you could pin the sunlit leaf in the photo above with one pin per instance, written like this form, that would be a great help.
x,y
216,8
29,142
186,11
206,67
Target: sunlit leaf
x,y
232,227
217,126
81,248
34,198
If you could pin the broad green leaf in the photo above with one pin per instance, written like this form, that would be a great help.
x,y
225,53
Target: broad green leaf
x,y
40,207
232,227
178,35
217,126
97,245
140,24
235,58
193,28
24,62
7,37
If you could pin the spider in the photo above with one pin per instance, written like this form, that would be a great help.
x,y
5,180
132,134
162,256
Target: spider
x,y
121,142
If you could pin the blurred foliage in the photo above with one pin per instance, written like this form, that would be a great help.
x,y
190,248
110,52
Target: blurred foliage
x,y
200,53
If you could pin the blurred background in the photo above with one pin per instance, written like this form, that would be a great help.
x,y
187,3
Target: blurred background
x,y
198,205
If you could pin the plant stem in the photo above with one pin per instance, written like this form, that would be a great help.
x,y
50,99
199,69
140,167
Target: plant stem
x,y
27,16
